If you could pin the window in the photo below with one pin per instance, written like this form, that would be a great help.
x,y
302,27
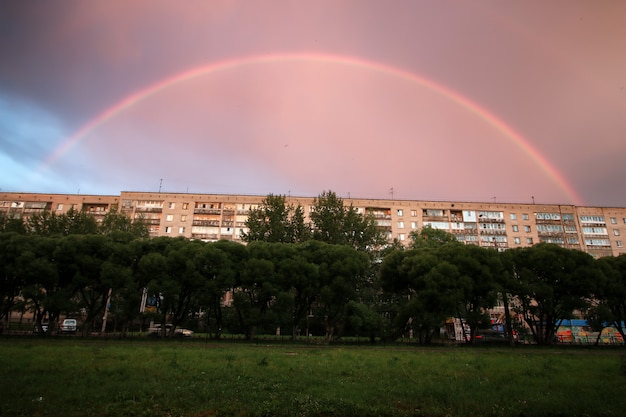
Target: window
x,y
413,225
613,220
549,228
592,219
169,217
59,206
171,205
595,231
548,216
615,232
619,244
400,212
414,214
185,206
513,216
597,242
401,236
527,229
181,230
183,217
515,228
517,240
168,229
525,216
437,225
529,240
400,225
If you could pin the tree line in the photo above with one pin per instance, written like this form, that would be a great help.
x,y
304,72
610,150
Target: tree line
x,y
336,276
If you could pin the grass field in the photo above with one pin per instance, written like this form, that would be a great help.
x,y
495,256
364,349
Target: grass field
x,y
81,377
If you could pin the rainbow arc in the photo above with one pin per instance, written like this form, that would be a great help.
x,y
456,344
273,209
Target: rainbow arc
x,y
137,97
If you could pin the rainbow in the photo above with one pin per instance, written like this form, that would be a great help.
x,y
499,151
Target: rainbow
x,y
230,64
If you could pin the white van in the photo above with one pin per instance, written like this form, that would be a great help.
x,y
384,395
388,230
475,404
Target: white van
x,y
68,326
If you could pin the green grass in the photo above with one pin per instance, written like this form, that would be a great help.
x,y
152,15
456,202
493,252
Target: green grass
x,y
75,377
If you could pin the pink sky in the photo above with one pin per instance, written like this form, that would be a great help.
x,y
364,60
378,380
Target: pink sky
x,y
553,73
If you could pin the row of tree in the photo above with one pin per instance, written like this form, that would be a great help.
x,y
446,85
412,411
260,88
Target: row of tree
x,y
332,277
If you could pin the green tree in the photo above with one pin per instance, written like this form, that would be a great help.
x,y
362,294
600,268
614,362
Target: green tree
x,y
425,289
610,294
115,221
73,221
338,224
11,224
12,246
220,265
429,237
257,290
276,221
120,271
89,255
175,277
342,271
48,269
552,282
476,268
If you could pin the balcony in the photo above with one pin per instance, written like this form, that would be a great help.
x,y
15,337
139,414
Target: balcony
x,y
206,210
204,236
149,209
206,223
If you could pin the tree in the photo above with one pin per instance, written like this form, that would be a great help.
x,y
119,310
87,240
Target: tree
x,y
342,270
423,291
12,246
258,289
275,221
175,277
90,254
551,283
11,224
429,237
336,224
475,267
47,273
220,264
610,300
115,221
73,221
120,271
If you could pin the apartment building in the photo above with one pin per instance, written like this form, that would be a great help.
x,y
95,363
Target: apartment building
x,y
599,231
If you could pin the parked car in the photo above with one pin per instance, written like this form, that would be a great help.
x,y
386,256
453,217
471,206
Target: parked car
x,y
156,331
44,328
492,336
68,326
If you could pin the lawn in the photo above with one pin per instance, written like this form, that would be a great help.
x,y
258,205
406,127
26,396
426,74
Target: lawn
x,y
81,377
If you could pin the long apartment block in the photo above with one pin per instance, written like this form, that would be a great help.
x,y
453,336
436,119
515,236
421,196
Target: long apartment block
x,y
599,231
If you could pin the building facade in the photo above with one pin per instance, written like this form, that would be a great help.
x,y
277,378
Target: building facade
x,y
599,231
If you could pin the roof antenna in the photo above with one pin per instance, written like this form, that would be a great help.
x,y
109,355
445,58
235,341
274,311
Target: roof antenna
x,y
160,184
